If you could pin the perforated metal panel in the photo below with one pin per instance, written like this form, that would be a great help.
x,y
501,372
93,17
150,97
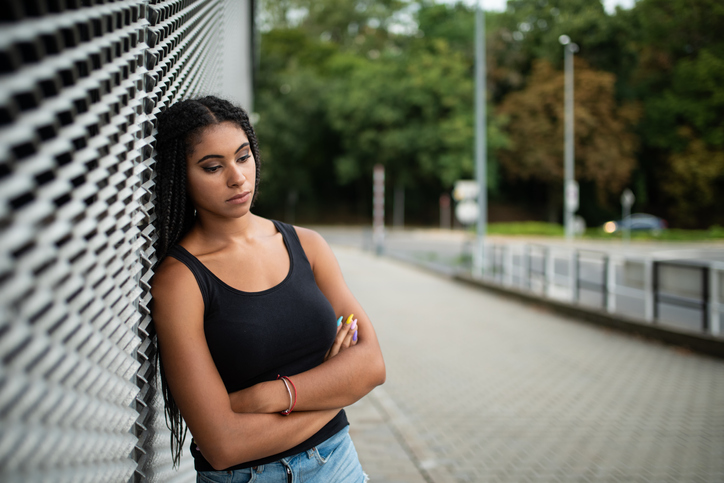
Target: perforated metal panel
x,y
80,85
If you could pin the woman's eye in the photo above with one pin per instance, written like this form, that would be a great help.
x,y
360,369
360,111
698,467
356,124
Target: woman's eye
x,y
243,158
211,169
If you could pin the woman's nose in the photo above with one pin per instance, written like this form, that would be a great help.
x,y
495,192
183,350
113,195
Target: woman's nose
x,y
236,177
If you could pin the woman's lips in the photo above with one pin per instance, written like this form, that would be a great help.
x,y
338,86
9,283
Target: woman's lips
x,y
239,199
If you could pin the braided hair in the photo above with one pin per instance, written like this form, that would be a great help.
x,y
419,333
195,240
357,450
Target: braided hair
x,y
179,129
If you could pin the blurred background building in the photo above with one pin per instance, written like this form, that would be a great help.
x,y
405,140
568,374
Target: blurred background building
x,y
81,82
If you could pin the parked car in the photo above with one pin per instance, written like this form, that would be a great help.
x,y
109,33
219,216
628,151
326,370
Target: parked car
x,y
637,222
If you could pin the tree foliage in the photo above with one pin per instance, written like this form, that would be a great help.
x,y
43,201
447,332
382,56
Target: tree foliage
x,y
419,126
680,80
332,106
694,108
604,143
344,85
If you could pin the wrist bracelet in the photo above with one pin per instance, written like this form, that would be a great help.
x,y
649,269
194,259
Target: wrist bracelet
x,y
292,399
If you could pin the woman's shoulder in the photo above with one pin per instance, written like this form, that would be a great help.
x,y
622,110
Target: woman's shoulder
x,y
171,275
315,247
310,238
176,297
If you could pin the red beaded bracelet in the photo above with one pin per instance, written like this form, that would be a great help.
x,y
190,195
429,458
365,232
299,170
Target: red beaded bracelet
x,y
292,400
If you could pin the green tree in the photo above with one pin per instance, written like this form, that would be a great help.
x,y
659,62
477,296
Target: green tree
x,y
604,144
532,28
338,21
331,106
299,40
680,79
292,129
411,112
694,107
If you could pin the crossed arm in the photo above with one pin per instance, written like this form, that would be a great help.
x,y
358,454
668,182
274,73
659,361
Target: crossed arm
x,y
341,380
243,426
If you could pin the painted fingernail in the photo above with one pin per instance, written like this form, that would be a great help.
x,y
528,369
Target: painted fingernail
x,y
339,320
349,319
354,324
354,337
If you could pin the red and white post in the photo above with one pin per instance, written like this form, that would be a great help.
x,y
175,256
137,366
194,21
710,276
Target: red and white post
x,y
378,208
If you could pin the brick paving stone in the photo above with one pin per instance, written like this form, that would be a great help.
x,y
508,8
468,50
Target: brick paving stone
x,y
482,388
382,453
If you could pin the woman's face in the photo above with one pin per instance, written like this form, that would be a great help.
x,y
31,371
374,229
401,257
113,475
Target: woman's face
x,y
221,172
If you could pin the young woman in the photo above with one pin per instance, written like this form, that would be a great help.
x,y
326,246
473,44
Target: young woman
x,y
254,354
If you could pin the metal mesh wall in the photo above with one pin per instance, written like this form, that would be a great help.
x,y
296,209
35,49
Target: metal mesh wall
x,y
80,85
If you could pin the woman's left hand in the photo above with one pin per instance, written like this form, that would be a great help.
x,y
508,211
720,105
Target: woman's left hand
x,y
346,337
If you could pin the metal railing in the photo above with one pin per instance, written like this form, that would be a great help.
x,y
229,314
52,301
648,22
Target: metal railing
x,y
683,294
692,295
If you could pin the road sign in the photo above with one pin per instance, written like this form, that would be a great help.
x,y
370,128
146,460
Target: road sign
x,y
466,190
467,212
627,198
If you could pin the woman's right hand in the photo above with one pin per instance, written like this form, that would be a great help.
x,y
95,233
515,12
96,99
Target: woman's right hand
x,y
346,336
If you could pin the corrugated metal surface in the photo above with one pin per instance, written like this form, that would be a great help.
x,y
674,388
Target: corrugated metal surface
x,y
80,84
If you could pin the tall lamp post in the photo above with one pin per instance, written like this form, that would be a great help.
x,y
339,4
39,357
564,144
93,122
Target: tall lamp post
x,y
480,139
570,186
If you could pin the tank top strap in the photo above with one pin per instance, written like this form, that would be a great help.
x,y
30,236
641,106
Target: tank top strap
x,y
201,273
292,240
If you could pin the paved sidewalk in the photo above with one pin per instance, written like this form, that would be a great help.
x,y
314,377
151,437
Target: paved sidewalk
x,y
484,389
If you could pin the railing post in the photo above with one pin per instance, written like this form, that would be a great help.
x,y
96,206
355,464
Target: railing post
x,y
526,267
655,291
648,291
705,299
487,267
604,284
500,261
494,262
571,275
544,266
714,307
509,266
610,285
574,272
549,271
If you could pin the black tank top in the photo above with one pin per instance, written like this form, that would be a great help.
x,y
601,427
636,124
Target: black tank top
x,y
253,336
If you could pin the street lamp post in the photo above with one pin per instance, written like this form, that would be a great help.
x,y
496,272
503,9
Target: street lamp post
x,y
480,139
570,187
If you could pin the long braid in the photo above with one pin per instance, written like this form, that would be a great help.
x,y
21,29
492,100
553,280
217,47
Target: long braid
x,y
179,127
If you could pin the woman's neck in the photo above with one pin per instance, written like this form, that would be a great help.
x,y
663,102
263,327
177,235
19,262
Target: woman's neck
x,y
221,232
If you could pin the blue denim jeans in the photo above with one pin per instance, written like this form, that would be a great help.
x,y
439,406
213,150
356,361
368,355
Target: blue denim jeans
x,y
333,461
